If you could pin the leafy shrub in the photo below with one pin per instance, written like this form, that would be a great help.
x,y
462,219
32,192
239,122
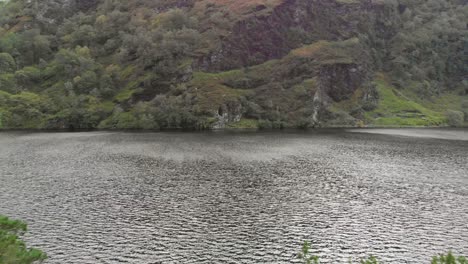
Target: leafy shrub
x,y
308,258
7,63
465,109
8,83
454,118
370,260
449,259
304,123
278,124
27,77
264,124
12,249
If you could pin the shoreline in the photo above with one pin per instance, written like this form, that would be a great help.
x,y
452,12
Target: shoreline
x,y
38,130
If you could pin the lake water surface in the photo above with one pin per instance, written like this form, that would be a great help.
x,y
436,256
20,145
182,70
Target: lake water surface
x,y
238,197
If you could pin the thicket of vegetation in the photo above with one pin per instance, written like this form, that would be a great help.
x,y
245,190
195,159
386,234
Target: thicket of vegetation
x,y
12,249
144,64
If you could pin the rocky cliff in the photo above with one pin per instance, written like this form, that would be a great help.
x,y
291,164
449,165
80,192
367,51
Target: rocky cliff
x,y
231,63
293,23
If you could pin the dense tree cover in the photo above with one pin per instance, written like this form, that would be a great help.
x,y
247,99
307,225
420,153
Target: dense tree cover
x,y
428,49
131,64
12,249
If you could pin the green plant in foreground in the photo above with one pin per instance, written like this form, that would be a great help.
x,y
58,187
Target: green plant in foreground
x,y
309,258
449,259
306,256
370,260
12,249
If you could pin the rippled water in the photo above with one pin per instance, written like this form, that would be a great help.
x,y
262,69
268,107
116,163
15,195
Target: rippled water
x,y
225,197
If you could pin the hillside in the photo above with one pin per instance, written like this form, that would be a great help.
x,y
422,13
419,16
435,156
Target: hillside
x,y
198,64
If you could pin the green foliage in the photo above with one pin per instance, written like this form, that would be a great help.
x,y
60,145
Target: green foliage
x,y
8,83
124,95
9,42
76,57
86,82
28,77
80,112
464,107
245,124
426,47
141,117
370,260
7,63
455,118
23,110
309,258
396,109
449,259
33,46
328,52
12,249
306,256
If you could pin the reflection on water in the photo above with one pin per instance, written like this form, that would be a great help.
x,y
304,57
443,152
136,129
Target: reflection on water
x,y
236,197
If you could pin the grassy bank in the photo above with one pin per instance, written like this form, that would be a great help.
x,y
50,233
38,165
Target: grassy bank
x,y
403,107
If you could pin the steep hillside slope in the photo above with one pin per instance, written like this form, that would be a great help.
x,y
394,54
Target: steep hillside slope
x,y
232,63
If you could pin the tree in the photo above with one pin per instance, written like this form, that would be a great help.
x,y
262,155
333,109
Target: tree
x,y
7,83
7,63
33,47
86,82
28,77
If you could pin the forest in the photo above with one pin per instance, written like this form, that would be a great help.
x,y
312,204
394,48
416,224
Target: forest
x,y
204,64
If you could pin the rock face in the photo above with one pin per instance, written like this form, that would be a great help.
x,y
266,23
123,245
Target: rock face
x,y
292,24
340,81
227,113
271,63
339,71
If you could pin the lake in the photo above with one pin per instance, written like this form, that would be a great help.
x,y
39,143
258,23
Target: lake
x,y
238,197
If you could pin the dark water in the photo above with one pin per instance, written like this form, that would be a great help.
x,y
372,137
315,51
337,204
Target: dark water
x,y
225,197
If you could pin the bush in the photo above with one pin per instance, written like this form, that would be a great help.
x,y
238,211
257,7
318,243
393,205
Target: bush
x,y
8,83
449,259
454,118
307,257
303,123
278,124
265,124
7,63
465,109
28,77
12,249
